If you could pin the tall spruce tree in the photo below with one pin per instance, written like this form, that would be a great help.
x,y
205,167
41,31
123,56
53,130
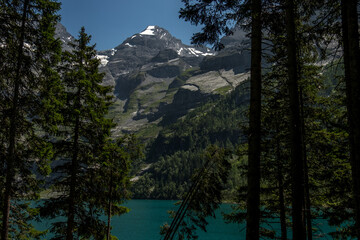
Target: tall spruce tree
x,y
253,194
114,175
342,25
276,115
217,16
78,142
28,52
338,21
295,123
115,178
350,39
275,169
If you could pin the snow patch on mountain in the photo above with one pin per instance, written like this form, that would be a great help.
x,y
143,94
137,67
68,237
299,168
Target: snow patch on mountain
x,y
194,52
148,31
113,51
179,51
208,54
162,35
103,60
129,45
199,53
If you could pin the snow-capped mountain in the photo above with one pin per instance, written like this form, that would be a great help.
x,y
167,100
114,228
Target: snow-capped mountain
x,y
159,38
158,79
153,44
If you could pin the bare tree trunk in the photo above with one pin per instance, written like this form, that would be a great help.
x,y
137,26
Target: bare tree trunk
x,y
253,196
281,190
282,206
352,80
11,158
108,234
307,202
73,180
295,126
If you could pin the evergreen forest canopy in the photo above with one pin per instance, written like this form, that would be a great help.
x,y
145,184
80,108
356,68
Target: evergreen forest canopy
x,y
283,145
300,161
55,138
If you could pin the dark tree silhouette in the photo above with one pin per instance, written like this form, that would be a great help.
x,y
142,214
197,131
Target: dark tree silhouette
x,y
216,18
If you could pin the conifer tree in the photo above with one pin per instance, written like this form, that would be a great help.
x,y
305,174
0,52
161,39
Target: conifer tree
x,y
295,123
114,175
253,195
216,16
338,21
350,39
203,197
116,180
275,170
80,138
276,114
28,52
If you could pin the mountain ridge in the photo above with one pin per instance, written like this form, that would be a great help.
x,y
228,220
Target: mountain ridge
x,y
158,79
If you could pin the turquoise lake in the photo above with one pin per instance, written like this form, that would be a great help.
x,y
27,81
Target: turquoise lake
x,y
146,216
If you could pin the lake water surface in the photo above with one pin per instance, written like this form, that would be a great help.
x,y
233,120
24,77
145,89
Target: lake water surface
x,y
146,216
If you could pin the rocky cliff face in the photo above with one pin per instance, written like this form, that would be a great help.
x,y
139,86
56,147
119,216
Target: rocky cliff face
x,y
148,49
158,79
64,36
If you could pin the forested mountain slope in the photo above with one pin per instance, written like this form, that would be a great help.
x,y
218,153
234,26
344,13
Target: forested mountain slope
x,y
157,79
177,151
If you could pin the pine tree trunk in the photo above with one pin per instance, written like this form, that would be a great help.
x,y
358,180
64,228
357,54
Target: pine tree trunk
x,y
352,80
281,190
307,202
11,158
73,172
282,206
108,234
295,126
253,196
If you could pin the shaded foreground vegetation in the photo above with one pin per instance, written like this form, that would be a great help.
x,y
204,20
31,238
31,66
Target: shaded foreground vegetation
x,y
304,165
283,145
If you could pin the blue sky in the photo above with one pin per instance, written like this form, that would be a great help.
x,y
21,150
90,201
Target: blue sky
x,y
110,22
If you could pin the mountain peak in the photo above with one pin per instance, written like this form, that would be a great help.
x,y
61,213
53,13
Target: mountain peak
x,y
153,44
150,30
153,37
154,31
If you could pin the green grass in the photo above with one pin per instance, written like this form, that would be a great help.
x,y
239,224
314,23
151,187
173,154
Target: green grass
x,y
223,90
149,131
